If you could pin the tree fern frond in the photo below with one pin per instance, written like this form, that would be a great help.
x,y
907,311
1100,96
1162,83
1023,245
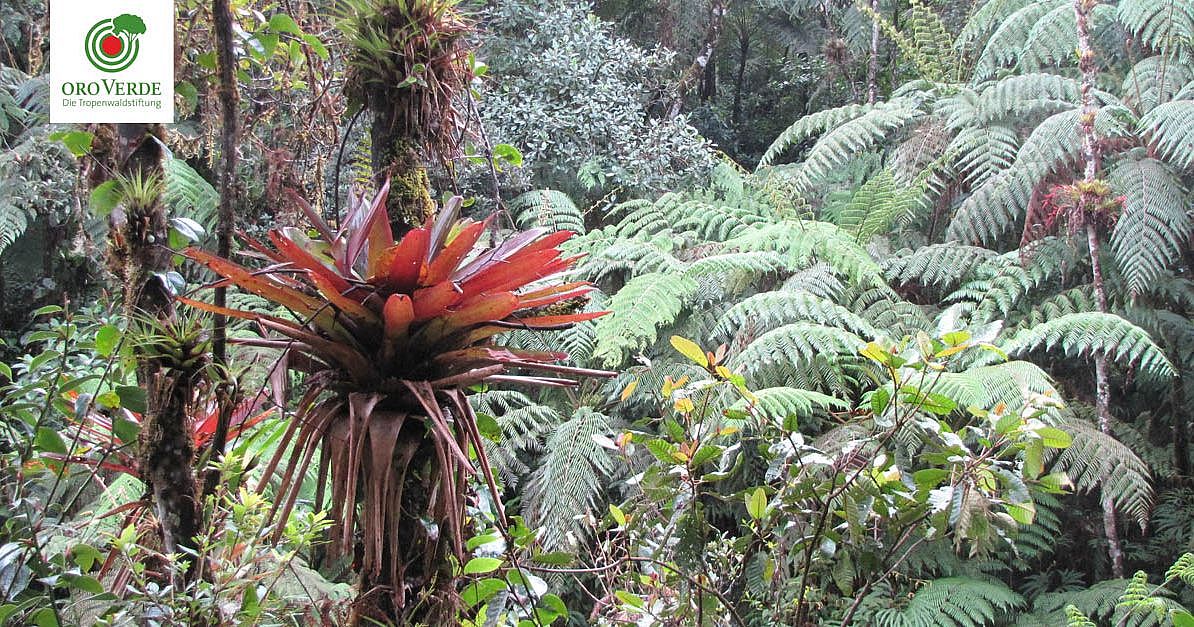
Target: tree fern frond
x,y
876,205
938,265
951,601
189,194
1166,26
547,208
1054,36
570,480
763,312
13,223
1094,333
1155,226
987,19
1095,459
643,305
818,279
795,343
1170,129
802,241
809,126
1007,41
1022,95
1154,80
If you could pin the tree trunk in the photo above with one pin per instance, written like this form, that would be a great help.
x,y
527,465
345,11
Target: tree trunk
x,y
872,69
717,13
397,158
1087,204
740,76
1181,432
229,138
138,256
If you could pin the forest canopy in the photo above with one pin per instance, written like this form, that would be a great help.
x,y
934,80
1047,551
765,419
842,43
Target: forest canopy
x,y
568,312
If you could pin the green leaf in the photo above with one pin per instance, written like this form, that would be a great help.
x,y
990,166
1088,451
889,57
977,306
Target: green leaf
x,y
126,430
283,23
689,349
1053,437
616,512
77,142
49,441
880,398
1023,513
87,584
132,398
508,153
554,558
633,600
756,504
481,591
1182,618
105,197
481,565
106,339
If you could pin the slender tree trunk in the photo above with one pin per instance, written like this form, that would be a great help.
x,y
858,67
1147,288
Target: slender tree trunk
x,y
1181,433
1088,203
229,137
872,69
667,24
740,77
717,13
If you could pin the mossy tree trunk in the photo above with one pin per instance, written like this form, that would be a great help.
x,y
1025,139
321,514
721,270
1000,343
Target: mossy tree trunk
x,y
138,257
397,157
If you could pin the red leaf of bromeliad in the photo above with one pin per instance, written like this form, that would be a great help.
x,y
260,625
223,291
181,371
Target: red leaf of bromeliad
x,y
506,274
300,257
501,253
399,313
449,258
407,260
259,285
433,301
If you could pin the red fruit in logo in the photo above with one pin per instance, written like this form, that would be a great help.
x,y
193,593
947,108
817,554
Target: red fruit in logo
x,y
111,45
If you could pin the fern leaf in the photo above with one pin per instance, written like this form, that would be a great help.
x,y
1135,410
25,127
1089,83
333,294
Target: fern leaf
x,y
1170,129
547,208
797,343
1155,227
643,305
189,194
1094,333
1097,460
763,312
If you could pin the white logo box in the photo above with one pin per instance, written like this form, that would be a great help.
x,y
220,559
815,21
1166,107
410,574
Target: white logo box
x,y
138,91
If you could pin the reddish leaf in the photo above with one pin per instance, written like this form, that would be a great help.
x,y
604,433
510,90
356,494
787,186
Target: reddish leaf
x,y
298,255
407,260
433,301
450,257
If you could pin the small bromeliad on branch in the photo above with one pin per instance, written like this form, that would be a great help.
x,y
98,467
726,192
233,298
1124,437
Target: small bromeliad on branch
x,y
391,334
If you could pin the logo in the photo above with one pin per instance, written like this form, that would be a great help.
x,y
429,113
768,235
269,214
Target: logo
x,y
112,44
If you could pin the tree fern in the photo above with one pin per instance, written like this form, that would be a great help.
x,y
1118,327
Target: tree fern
x,y
878,203
1005,43
809,126
13,223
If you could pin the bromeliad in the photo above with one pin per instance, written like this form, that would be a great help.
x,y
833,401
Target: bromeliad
x,y
391,334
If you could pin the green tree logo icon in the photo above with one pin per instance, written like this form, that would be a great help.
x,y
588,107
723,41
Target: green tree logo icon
x,y
112,45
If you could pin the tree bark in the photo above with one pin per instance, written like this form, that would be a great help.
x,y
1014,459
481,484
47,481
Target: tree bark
x,y
872,69
229,137
740,77
1088,203
717,13
397,158
138,256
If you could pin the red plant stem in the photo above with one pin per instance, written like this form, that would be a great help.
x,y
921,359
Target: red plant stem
x,y
1088,203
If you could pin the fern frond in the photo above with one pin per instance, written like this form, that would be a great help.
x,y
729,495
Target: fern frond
x,y
1155,226
797,343
939,265
643,305
809,126
1007,41
188,194
1166,26
766,311
13,223
1094,333
1097,460
1154,80
547,208
876,205
1170,130
952,601
802,241
571,479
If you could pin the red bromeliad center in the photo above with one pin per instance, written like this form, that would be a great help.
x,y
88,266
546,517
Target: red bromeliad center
x,y
111,45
